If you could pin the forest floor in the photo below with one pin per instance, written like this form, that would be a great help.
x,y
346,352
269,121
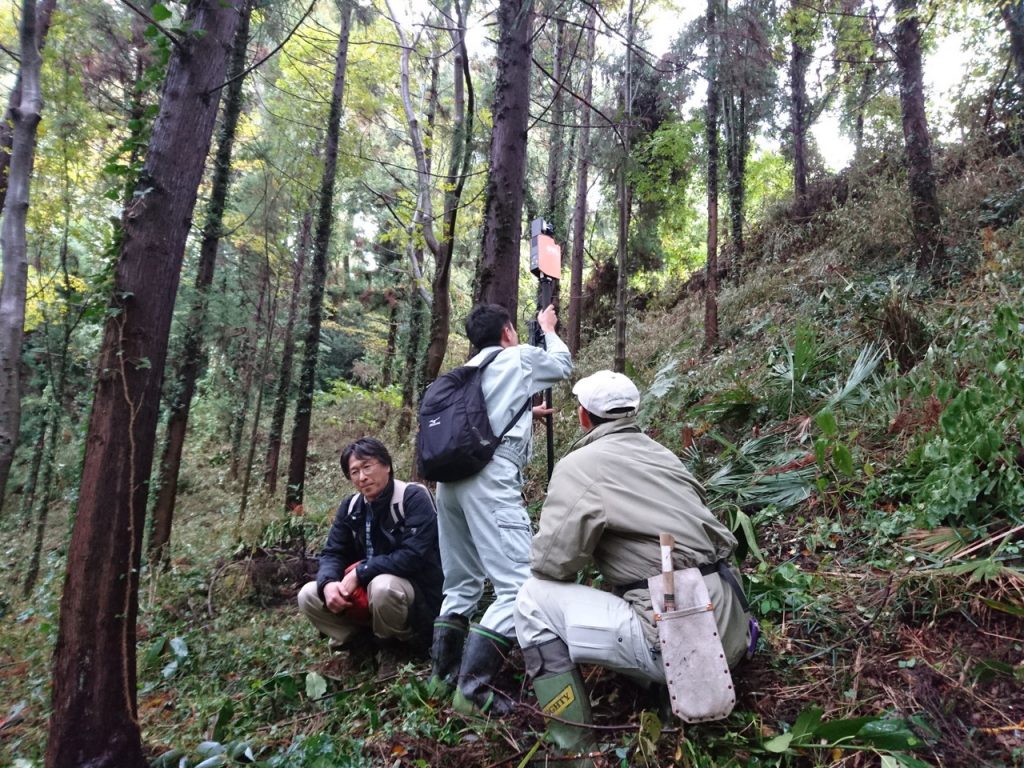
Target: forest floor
x,y
893,635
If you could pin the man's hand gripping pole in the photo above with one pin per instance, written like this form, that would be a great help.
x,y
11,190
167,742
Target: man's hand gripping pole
x,y
546,264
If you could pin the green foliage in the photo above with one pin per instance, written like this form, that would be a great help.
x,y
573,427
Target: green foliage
x,y
967,469
781,590
364,405
887,737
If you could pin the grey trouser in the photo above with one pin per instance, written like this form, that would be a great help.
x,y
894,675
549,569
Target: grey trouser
x,y
484,531
598,627
390,597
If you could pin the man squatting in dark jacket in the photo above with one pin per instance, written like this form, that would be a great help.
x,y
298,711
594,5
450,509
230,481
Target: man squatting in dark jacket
x,y
395,555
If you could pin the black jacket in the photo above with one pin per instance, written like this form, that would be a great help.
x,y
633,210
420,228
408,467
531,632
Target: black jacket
x,y
406,548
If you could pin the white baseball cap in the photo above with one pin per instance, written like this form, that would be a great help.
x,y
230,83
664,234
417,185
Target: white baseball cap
x,y
608,394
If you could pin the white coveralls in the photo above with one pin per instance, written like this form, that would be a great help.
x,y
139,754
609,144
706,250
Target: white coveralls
x,y
483,528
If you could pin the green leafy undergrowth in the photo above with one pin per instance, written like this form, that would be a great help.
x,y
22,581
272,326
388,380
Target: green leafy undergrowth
x,y
967,469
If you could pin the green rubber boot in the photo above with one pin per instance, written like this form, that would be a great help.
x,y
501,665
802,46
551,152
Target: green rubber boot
x,y
562,695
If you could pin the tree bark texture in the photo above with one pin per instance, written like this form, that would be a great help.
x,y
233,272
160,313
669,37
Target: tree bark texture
x,y
13,285
737,141
800,60
412,352
95,714
193,352
391,347
284,375
579,216
711,271
43,17
318,279
555,192
624,202
925,211
497,275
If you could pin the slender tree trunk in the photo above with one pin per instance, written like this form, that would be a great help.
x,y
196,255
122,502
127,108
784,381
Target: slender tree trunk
x,y
13,285
307,381
412,351
736,148
497,275
391,348
1013,17
43,16
193,352
284,378
28,497
261,376
926,213
459,157
555,191
94,717
800,60
52,430
711,282
625,202
56,366
579,218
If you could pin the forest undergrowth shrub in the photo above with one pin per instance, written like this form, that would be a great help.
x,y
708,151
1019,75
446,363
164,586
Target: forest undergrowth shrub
x,y
968,468
874,227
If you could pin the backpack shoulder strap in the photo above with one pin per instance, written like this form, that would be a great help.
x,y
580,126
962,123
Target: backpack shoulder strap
x,y
515,419
398,500
352,502
489,359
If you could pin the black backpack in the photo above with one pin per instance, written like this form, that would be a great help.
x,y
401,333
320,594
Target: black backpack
x,y
455,439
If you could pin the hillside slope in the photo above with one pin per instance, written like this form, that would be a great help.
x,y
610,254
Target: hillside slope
x,y
859,428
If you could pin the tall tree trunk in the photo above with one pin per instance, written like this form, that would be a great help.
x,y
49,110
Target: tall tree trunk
x,y
736,147
94,718
555,187
43,16
391,348
711,272
800,60
460,154
193,353
69,316
261,376
497,275
412,351
57,366
625,202
13,285
284,377
325,216
926,213
1013,17
579,217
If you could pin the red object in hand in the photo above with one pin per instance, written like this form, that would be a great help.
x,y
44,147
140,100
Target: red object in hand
x,y
360,608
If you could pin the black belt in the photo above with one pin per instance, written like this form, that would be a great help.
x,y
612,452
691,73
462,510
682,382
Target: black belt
x,y
720,567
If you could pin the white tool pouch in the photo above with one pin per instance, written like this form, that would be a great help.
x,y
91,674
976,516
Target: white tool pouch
x,y
699,682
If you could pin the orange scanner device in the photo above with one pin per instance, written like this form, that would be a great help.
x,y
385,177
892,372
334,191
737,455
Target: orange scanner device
x,y
545,253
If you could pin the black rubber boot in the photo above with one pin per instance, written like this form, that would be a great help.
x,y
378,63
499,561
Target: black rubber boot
x,y
446,651
482,660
